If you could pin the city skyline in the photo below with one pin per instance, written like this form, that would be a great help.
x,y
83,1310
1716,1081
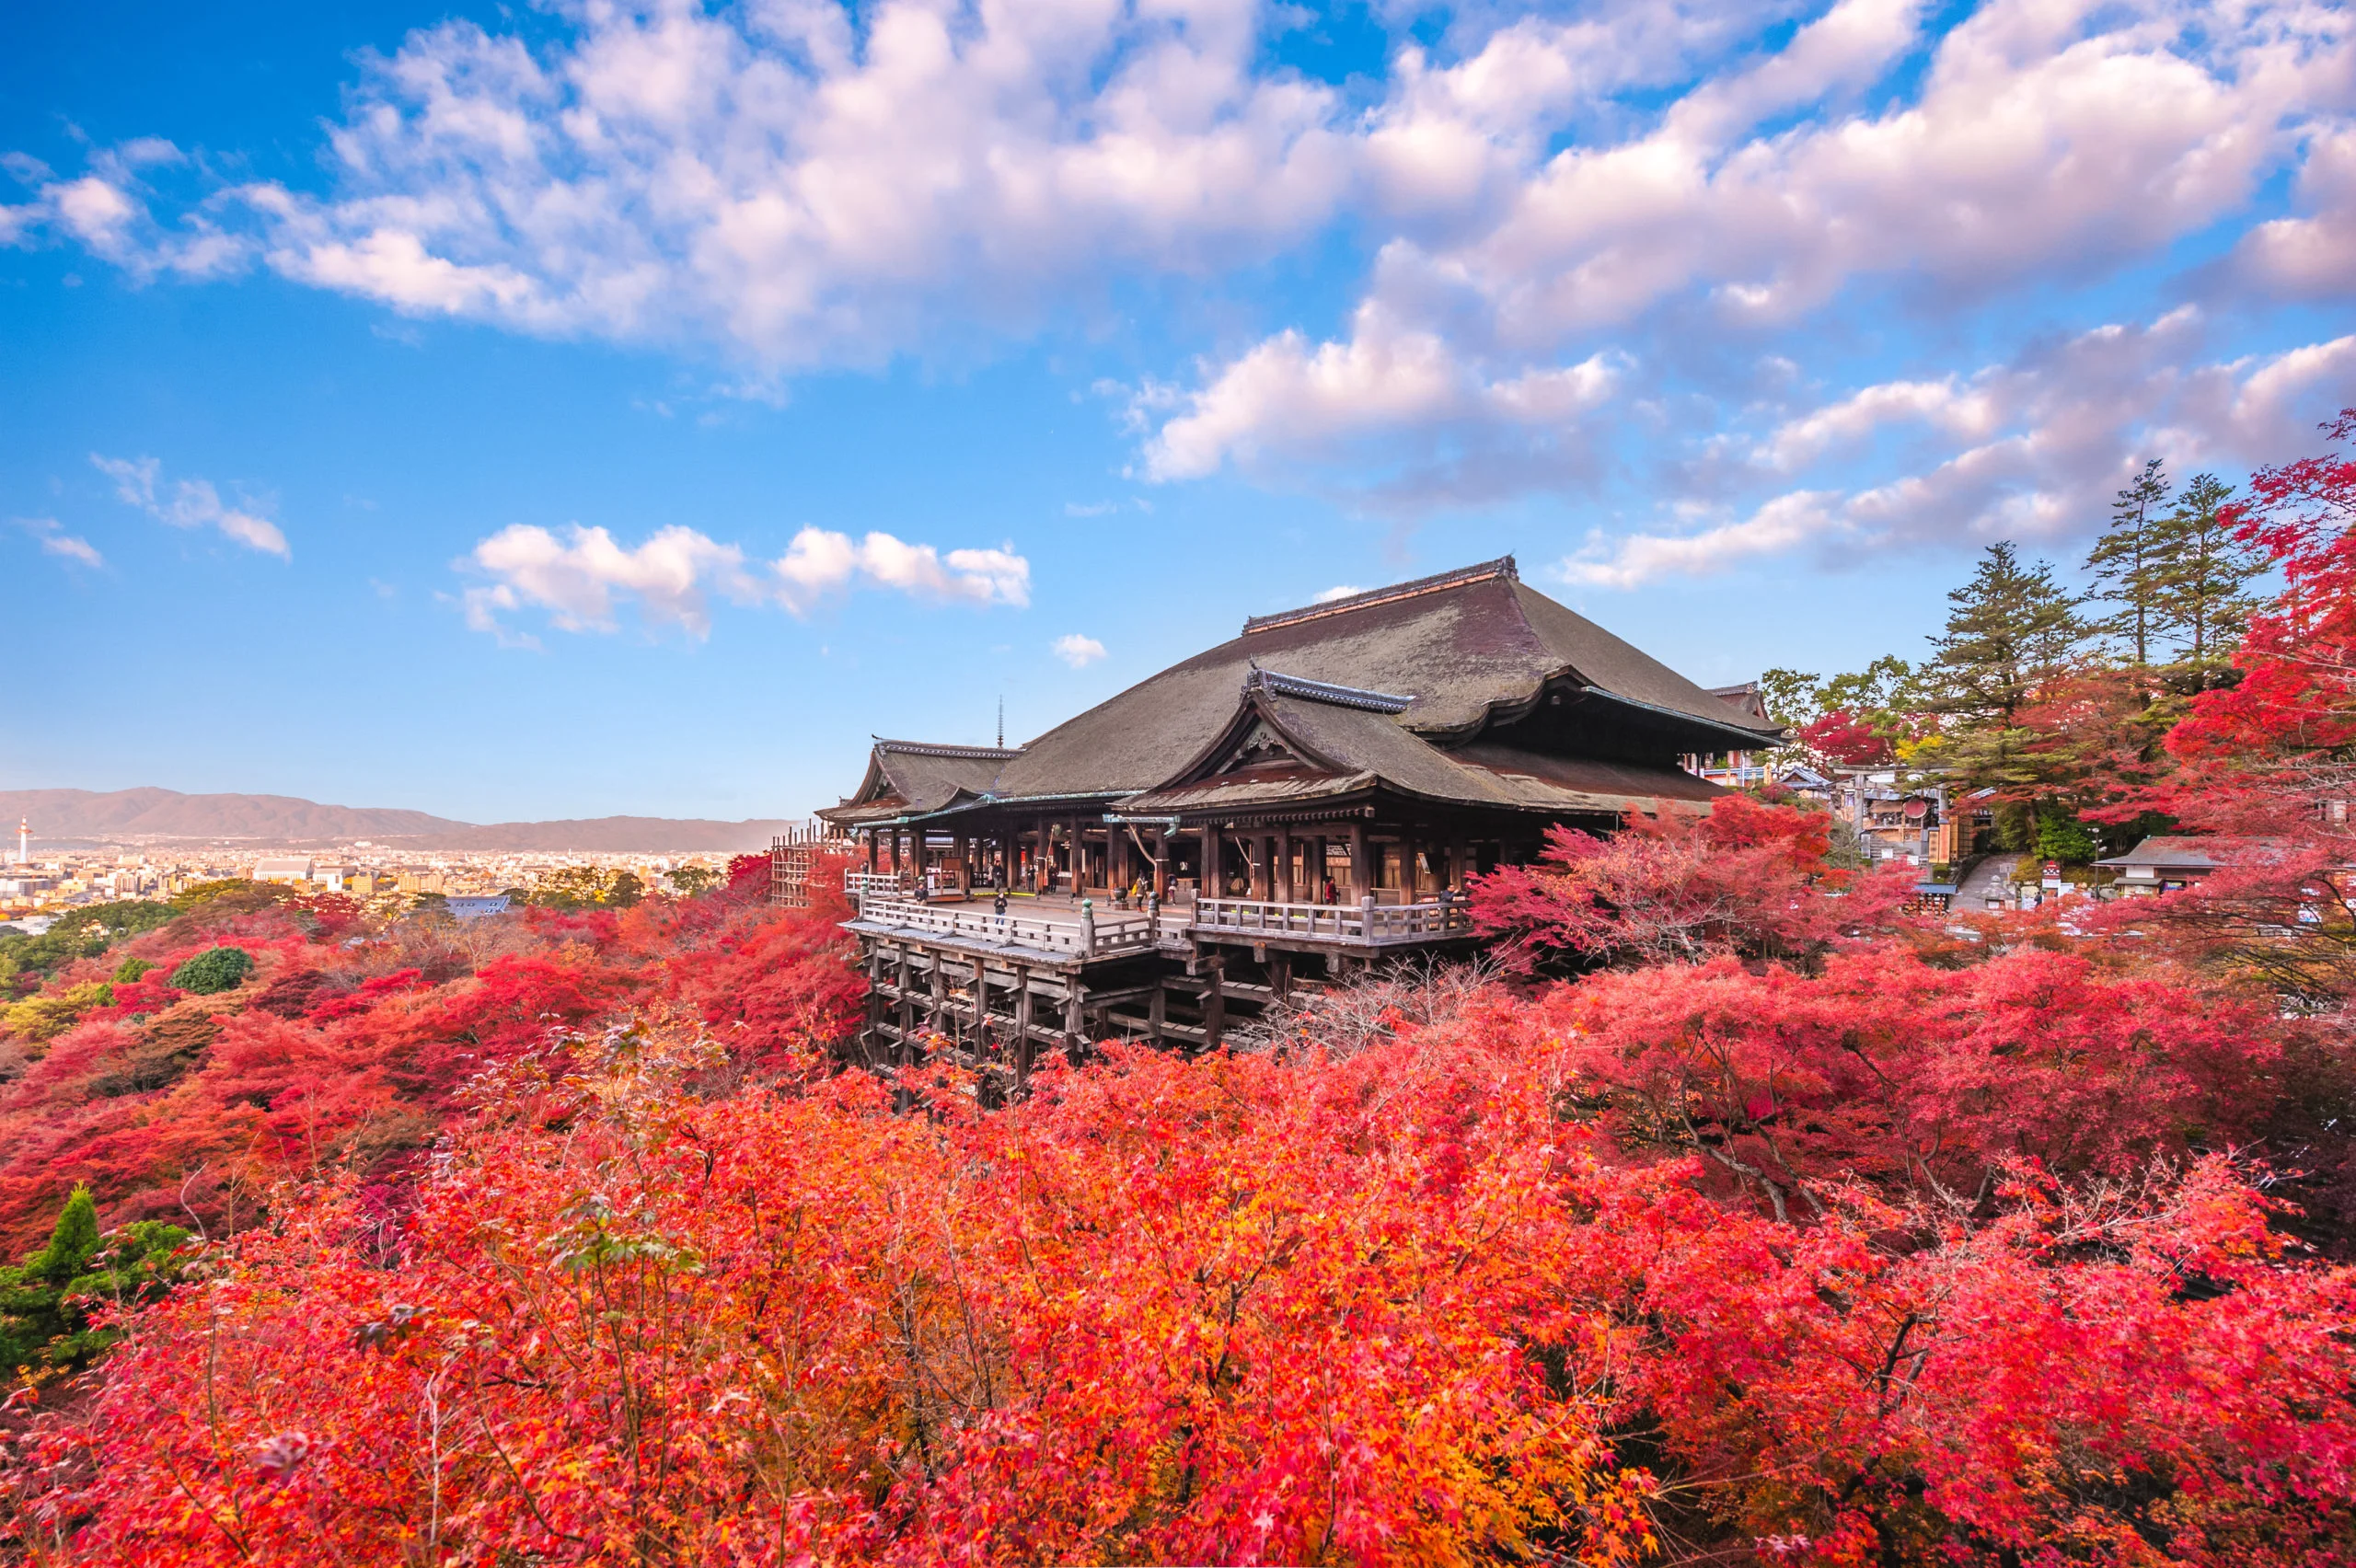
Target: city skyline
x,y
572,413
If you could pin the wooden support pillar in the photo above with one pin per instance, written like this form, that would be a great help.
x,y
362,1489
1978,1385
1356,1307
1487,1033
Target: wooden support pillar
x,y
871,851
1023,1026
908,1008
1361,882
1078,856
1156,1011
1280,972
933,1025
1210,883
1162,863
1284,867
1213,971
980,1042
1074,1026
1316,869
1411,872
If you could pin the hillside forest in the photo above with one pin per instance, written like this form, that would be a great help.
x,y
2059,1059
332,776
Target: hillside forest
x,y
1730,1211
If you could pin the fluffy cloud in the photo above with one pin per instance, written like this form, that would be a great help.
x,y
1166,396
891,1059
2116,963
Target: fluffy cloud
x,y
577,579
56,541
1574,229
2033,141
818,563
2030,450
1077,650
798,184
189,503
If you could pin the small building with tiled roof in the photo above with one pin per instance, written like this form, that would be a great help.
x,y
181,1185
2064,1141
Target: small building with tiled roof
x,y
2162,864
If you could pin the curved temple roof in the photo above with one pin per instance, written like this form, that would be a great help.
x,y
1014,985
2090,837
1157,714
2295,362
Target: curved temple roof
x,y
1411,673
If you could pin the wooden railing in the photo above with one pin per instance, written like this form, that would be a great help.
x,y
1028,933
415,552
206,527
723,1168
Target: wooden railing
x,y
1087,937
1364,921
881,884
1090,935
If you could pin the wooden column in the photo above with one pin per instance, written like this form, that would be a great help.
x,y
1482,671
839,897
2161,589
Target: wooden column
x,y
1411,875
1072,1024
1255,864
1156,1011
1161,862
1214,968
940,1000
1209,883
1078,856
1023,1026
1284,867
908,1009
980,1042
1316,870
1116,855
1361,883
871,851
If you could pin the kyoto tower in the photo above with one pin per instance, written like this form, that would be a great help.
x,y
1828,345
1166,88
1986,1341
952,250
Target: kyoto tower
x,y
24,841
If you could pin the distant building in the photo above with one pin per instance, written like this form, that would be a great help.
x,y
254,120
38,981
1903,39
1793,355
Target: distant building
x,y
1737,769
282,869
2162,865
476,907
334,877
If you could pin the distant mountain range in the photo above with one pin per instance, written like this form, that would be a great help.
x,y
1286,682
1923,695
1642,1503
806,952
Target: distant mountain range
x,y
166,816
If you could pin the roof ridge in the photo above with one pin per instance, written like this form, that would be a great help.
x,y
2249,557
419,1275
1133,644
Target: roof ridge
x,y
1502,567
1325,691
927,748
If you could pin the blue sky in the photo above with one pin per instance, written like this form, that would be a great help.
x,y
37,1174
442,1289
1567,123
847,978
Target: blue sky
x,y
598,409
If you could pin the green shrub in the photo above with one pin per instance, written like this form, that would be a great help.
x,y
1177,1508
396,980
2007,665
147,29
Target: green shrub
x,y
130,970
45,1303
2064,838
214,969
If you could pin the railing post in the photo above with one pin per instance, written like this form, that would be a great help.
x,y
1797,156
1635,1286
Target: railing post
x,y
1087,924
1366,916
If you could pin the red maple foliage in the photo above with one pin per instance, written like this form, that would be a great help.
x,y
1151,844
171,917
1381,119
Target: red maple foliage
x,y
1746,878
1847,739
1388,1309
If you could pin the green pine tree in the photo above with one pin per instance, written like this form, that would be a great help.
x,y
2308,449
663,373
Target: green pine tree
x,y
2199,572
2011,630
72,1243
45,1302
2124,560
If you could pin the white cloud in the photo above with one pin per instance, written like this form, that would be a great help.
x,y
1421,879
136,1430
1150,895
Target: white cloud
x,y
57,542
192,504
2031,450
672,576
762,178
1391,397
575,579
819,562
1077,650
1339,591
2044,140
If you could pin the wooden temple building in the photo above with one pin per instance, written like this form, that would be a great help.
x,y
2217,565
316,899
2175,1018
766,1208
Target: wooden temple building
x,y
1283,810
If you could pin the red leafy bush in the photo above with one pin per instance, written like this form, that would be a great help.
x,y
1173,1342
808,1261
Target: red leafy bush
x,y
1746,879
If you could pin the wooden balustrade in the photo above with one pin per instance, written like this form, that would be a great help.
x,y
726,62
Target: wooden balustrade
x,y
1085,934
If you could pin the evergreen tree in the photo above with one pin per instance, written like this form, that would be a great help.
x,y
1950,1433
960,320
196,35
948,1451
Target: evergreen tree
x,y
2124,563
2012,629
2200,571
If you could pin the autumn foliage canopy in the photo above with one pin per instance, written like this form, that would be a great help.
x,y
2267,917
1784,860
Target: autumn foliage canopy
x,y
1736,1215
